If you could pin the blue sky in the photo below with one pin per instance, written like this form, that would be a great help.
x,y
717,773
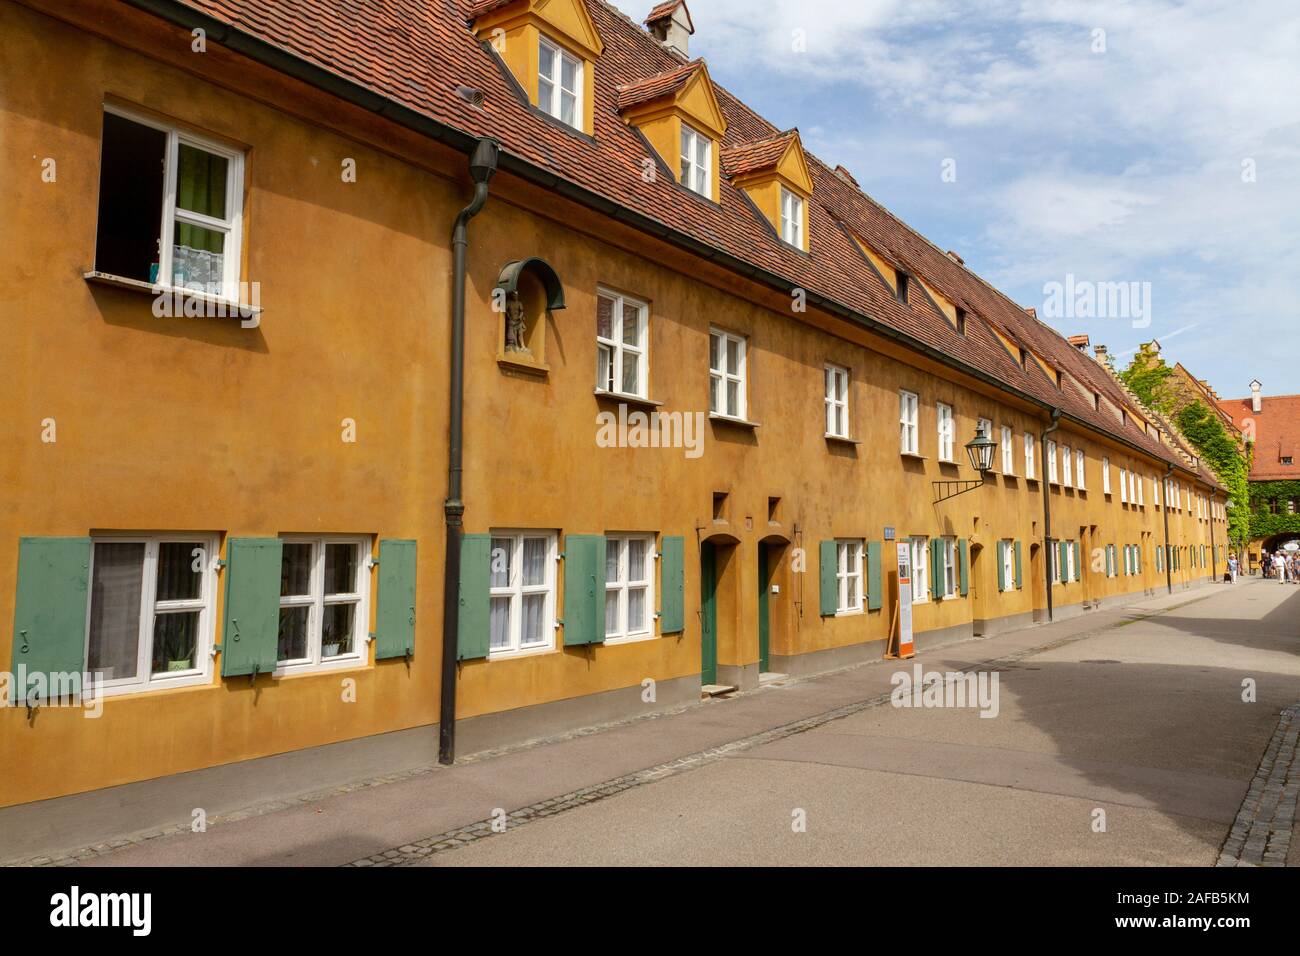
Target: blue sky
x,y
1137,142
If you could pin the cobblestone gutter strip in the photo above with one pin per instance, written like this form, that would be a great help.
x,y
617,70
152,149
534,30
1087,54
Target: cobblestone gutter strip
x,y
453,839
568,801
1261,834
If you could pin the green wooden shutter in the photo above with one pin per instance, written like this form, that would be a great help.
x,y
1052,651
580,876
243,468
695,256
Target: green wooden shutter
x,y
936,568
1064,550
584,589
50,616
251,637
963,560
875,587
395,618
473,621
1002,565
1017,556
672,581
1078,564
830,589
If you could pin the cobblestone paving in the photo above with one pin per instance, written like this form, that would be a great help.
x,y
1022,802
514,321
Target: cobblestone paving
x,y
1261,834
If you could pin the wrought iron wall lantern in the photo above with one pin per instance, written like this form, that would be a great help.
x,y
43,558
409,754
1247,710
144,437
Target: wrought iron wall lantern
x,y
980,451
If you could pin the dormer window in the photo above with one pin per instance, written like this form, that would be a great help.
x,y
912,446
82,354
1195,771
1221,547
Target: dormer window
x,y
961,321
773,173
902,286
680,120
697,162
792,218
550,48
559,83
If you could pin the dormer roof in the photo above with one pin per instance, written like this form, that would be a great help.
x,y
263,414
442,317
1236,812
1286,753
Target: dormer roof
x,y
782,154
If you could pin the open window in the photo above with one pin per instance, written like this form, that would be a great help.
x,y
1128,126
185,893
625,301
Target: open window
x,y
170,207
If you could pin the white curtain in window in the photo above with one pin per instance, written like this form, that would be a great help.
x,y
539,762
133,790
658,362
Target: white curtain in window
x,y
534,606
115,610
500,622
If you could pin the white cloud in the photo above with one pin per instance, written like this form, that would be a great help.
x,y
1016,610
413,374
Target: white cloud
x,y
1120,165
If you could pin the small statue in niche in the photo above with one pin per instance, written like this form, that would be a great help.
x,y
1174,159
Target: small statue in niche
x,y
516,326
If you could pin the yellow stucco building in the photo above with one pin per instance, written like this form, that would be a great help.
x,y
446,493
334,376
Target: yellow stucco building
x,y
709,387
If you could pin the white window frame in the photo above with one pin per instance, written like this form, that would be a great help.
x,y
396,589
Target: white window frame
x,y
909,405
1009,563
1078,470
144,679
946,427
951,573
1029,455
515,590
1067,466
1069,561
850,556
724,377
1123,485
1105,475
316,601
554,107
792,218
1008,452
1137,484
231,226
697,171
615,347
1052,475
920,569
836,379
624,584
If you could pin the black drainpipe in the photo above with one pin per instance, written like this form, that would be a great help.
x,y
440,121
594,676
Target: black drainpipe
x,y
1049,555
482,164
1169,558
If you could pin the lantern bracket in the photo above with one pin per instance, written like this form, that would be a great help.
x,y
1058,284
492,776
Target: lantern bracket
x,y
951,489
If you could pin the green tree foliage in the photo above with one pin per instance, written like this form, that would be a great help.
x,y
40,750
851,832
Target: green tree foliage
x,y
1148,377
1205,431
1263,523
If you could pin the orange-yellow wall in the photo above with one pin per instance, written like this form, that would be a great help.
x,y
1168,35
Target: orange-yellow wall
x,y
197,424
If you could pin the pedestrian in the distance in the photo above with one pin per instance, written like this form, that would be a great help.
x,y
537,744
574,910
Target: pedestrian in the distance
x,y
1232,568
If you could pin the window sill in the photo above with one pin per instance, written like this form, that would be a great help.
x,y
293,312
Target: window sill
x,y
223,307
327,666
507,655
626,399
630,639
509,362
158,685
730,420
912,454
842,439
849,612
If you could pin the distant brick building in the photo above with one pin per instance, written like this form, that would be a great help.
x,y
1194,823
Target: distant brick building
x,y
1272,426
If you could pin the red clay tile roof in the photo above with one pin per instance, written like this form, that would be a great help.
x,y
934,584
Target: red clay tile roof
x,y
477,10
1277,434
416,52
760,154
653,87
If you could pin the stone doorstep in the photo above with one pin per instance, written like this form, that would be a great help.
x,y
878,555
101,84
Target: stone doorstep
x,y
716,690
